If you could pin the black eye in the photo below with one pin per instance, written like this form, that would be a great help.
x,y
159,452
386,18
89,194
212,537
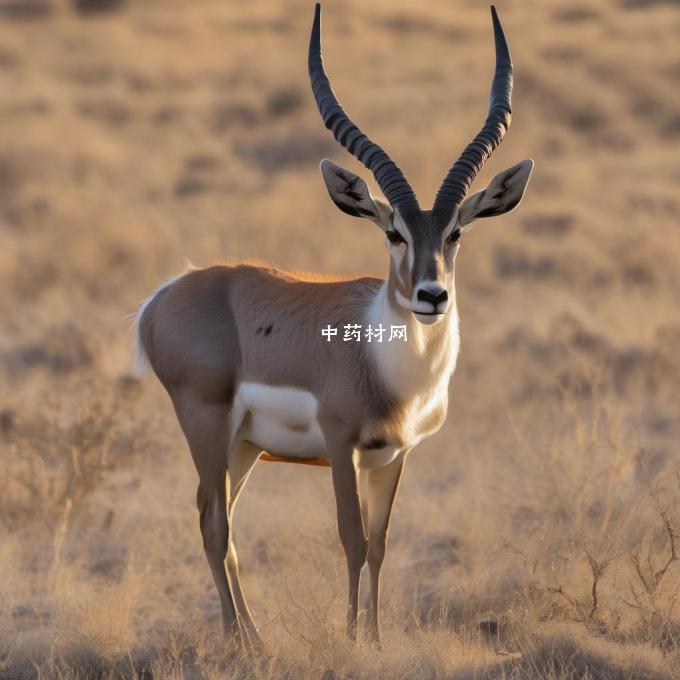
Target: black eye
x,y
394,237
453,236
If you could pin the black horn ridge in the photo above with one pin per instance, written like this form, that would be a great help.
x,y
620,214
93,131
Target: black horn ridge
x,y
462,173
388,175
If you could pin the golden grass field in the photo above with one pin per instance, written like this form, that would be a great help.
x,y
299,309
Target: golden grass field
x,y
537,534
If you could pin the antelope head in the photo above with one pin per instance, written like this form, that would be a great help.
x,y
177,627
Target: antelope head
x,y
423,243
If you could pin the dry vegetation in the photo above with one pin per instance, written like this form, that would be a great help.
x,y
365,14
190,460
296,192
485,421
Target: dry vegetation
x,y
538,534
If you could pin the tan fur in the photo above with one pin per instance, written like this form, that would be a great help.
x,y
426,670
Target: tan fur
x,y
213,329
240,351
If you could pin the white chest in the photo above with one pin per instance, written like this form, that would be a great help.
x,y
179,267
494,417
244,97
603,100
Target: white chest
x,y
417,370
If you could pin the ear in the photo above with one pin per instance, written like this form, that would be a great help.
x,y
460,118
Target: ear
x,y
504,193
350,193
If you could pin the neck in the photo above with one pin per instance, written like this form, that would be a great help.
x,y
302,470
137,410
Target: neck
x,y
427,357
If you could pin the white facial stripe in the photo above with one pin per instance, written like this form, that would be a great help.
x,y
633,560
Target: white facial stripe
x,y
400,226
401,300
397,254
452,226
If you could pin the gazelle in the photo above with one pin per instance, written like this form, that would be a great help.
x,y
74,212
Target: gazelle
x,y
241,353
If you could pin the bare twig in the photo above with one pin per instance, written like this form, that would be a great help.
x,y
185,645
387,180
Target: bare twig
x,y
575,604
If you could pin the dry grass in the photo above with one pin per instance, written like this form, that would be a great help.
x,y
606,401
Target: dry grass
x,y
535,536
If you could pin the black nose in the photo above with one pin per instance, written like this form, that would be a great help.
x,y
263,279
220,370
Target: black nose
x,y
434,299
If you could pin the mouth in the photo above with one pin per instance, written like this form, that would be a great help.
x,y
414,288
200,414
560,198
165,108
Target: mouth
x,y
428,317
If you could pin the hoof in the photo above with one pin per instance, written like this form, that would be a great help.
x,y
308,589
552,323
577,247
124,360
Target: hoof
x,y
232,635
253,643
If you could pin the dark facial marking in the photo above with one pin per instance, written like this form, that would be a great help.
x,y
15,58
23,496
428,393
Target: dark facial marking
x,y
453,236
263,330
393,236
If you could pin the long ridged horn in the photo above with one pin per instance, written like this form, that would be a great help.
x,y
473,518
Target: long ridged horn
x,y
388,175
464,170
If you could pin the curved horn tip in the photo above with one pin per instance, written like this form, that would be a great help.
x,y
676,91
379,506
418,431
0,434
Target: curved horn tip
x,y
495,20
316,22
497,26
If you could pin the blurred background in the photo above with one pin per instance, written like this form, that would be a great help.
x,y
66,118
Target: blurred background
x,y
536,535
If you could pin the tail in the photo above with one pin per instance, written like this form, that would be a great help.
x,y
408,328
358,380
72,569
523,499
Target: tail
x,y
140,358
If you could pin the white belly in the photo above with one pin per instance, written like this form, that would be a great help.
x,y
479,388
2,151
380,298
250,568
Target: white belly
x,y
280,420
283,421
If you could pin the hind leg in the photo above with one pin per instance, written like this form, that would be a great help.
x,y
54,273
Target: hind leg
x,y
206,427
242,459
